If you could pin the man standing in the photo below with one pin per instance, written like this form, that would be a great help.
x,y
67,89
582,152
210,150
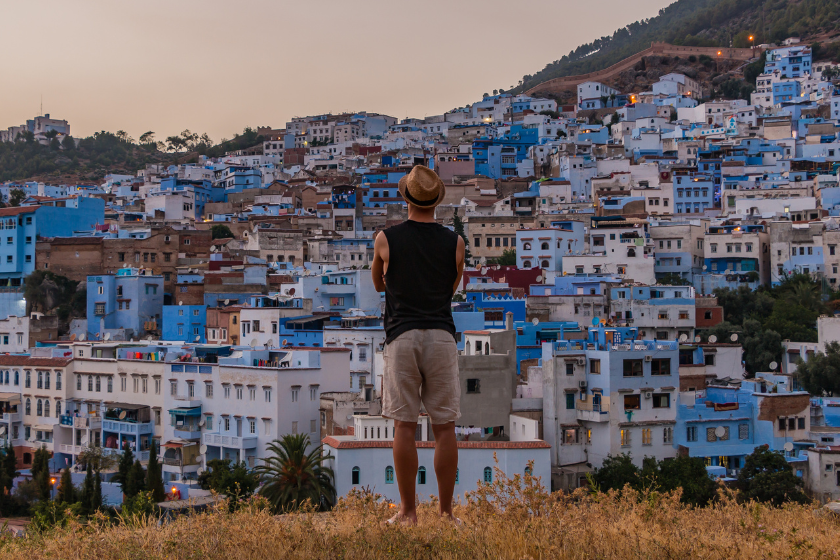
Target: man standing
x,y
418,264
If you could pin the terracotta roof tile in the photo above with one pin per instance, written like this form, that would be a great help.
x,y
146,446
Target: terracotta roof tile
x,y
33,362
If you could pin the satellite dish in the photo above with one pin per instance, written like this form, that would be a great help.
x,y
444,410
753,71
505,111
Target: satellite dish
x,y
291,291
201,423
733,337
200,470
713,339
789,446
484,270
227,301
82,336
720,431
705,267
107,336
181,302
773,366
72,337
84,440
683,337
2,430
535,321
285,342
255,342
122,415
200,458
197,338
596,321
697,339
539,278
202,449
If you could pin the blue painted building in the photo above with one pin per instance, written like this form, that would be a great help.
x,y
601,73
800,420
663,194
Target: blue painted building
x,y
184,322
786,91
237,178
693,193
792,62
497,157
127,300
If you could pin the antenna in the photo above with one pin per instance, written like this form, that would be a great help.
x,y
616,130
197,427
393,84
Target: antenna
x,y
82,337
107,336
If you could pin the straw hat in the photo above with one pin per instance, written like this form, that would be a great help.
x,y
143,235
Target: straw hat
x,y
422,187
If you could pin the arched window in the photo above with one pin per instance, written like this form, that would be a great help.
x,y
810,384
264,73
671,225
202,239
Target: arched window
x,y
47,408
526,246
279,258
40,379
467,348
631,252
544,246
269,258
457,476
7,377
487,348
421,475
356,474
39,410
46,380
526,264
17,378
58,380
558,244
28,407
58,408
544,264
291,259
389,475
28,379
527,471
488,474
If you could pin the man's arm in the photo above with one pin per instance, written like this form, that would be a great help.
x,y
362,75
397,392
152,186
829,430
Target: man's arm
x,y
380,261
459,259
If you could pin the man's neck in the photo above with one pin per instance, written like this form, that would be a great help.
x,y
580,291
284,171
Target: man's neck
x,y
421,214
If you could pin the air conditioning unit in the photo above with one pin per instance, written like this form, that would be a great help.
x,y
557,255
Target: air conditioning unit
x,y
648,358
582,385
581,361
648,394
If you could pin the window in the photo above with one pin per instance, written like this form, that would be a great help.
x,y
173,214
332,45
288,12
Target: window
x,y
190,389
625,437
647,438
667,435
28,382
99,309
122,383
57,379
157,386
661,400
208,390
473,386
488,475
98,384
632,402
743,431
295,393
90,382
633,368
110,384
267,393
239,392
595,366
173,388
800,423
226,390
389,475
252,426
570,401
660,366
421,475
313,392
691,433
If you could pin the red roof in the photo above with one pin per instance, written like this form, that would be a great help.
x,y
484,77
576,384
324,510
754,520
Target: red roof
x,y
33,362
356,444
17,210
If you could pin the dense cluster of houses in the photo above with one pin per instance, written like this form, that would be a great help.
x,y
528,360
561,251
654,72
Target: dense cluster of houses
x,y
594,253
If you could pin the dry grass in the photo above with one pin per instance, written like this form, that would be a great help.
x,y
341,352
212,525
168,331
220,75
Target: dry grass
x,y
501,520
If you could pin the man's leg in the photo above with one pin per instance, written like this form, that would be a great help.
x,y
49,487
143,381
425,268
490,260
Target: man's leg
x,y
446,464
405,465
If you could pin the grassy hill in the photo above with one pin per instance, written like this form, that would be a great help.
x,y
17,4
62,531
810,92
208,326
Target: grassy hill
x,y
702,23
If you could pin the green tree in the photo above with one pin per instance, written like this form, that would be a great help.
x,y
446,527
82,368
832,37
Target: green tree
x,y
66,490
690,474
820,375
68,143
16,196
458,227
88,491
9,465
672,279
124,468
154,478
508,258
768,477
760,347
41,472
221,231
291,476
136,480
96,498
229,478
616,472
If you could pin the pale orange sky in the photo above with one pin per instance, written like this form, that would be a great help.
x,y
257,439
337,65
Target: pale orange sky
x,y
216,67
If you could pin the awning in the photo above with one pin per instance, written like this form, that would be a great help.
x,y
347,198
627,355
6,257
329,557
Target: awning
x,y
10,397
44,427
178,443
186,411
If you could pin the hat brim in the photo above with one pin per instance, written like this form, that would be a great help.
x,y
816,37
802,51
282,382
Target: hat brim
x,y
403,184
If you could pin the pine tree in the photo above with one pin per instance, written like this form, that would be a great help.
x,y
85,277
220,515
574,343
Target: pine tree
x,y
66,490
123,469
154,480
10,466
87,491
41,472
96,500
136,480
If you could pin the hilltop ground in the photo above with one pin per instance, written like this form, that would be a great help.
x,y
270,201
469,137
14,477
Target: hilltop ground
x,y
527,525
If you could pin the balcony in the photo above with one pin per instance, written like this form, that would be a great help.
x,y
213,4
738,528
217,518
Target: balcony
x,y
187,431
134,428
9,417
593,415
87,422
70,449
340,289
233,442
139,455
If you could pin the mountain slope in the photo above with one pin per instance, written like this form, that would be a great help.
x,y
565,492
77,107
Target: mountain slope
x,y
710,23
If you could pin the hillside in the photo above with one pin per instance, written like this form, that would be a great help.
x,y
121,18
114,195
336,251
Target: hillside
x,y
528,526
701,23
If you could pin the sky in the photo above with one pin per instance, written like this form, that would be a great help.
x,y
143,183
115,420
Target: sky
x,y
218,66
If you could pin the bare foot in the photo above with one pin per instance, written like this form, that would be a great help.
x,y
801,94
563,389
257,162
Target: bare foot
x,y
401,519
449,517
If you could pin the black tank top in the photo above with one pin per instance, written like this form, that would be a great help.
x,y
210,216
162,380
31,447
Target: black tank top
x,y
421,274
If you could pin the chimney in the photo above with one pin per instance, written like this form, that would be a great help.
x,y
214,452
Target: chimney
x,y
509,321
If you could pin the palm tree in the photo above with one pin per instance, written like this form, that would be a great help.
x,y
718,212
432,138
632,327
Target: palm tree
x,y
290,476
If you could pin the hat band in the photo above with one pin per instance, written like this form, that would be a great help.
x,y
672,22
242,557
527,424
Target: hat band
x,y
421,203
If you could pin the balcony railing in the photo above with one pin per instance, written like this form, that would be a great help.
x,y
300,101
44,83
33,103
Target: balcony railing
x,y
12,417
235,442
127,427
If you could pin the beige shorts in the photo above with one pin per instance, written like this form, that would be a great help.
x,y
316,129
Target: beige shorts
x,y
422,366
